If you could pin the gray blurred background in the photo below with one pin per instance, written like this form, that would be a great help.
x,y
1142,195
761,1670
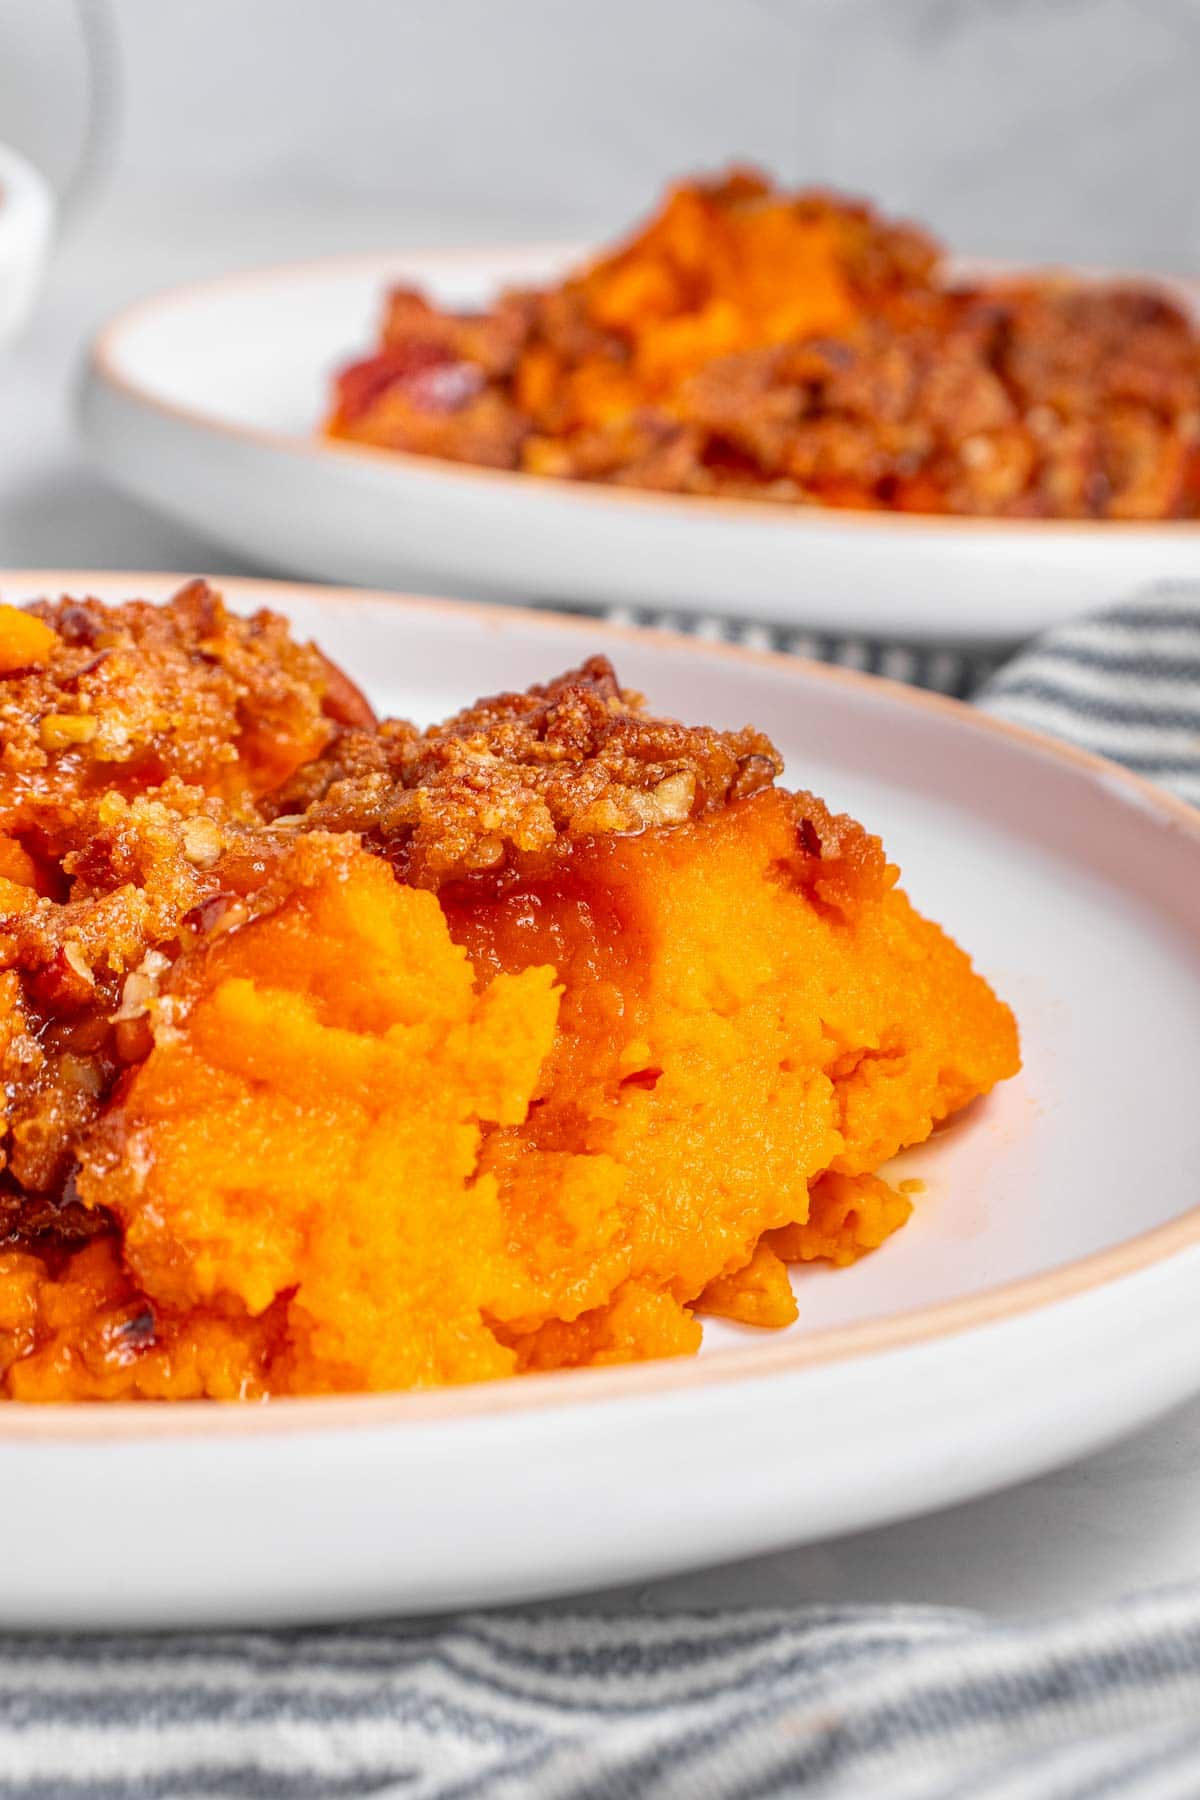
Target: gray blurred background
x,y
1024,127
247,130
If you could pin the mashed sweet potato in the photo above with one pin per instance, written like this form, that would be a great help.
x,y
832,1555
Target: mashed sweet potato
x,y
347,1056
799,347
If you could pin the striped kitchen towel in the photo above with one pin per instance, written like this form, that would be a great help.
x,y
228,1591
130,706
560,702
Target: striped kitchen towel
x,y
945,670
896,1703
853,1703
1124,683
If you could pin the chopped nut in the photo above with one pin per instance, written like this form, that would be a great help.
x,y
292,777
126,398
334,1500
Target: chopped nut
x,y
75,957
202,842
488,851
141,986
1042,421
670,802
221,913
62,731
977,452
64,983
80,1073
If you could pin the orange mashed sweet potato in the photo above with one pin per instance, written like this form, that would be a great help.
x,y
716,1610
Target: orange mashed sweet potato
x,y
345,1056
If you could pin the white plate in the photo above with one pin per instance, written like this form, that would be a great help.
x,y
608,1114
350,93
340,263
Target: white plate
x,y
26,227
206,403
1041,1301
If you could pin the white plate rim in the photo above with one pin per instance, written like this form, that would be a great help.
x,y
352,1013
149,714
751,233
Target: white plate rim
x,y
904,1329
104,366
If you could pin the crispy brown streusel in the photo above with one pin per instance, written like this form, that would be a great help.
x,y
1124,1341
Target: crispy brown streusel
x,y
135,744
524,774
753,343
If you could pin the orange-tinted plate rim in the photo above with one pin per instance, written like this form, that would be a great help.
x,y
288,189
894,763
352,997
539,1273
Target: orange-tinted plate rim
x,y
778,1354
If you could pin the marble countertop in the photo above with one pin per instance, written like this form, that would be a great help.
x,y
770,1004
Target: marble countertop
x,y
1127,1518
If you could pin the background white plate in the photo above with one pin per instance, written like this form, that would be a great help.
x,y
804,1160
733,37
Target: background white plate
x,y
26,227
1040,1302
205,402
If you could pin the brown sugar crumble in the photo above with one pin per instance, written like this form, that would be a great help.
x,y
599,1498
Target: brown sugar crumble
x,y
800,348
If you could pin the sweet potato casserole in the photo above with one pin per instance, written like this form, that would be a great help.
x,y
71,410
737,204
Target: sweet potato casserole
x,y
800,348
344,1055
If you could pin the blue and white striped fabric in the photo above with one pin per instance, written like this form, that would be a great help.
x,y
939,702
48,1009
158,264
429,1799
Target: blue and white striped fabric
x,y
940,668
1125,683
836,1704
899,1703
